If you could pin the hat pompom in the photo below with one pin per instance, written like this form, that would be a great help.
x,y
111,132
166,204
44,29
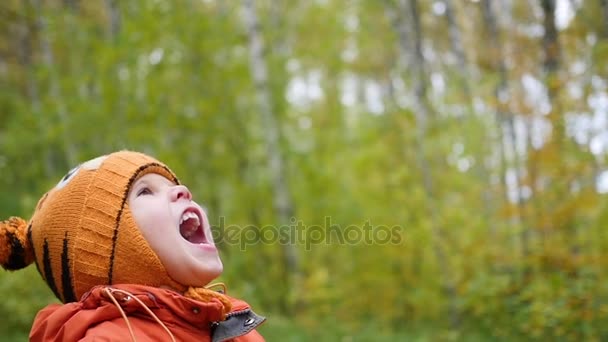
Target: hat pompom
x,y
15,247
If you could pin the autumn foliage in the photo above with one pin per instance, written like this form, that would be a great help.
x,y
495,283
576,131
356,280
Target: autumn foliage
x,y
477,128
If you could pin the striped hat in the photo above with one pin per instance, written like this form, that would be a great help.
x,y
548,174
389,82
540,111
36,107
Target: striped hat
x,y
83,234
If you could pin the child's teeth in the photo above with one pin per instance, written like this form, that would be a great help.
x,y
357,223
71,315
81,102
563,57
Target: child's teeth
x,y
187,216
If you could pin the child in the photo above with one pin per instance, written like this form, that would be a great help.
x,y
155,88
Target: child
x,y
121,243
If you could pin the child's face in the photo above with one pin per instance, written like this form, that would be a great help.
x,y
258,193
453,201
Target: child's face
x,y
176,228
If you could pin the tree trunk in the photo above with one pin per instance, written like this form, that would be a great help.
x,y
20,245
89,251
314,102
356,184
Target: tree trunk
x,y
283,205
423,111
118,107
556,172
409,13
604,5
507,139
72,4
113,18
551,64
54,87
25,54
479,150
458,49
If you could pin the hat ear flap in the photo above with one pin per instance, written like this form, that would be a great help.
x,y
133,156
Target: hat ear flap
x,y
15,247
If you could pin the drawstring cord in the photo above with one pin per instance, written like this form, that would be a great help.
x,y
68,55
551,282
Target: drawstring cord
x,y
204,294
222,285
122,312
110,293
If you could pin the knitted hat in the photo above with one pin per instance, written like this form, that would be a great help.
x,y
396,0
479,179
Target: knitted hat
x,y
82,233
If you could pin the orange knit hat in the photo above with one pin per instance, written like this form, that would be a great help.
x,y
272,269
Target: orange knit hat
x,y
82,233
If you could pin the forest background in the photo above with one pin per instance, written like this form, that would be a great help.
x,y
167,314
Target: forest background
x,y
444,162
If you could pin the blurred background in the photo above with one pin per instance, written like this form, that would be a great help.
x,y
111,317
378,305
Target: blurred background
x,y
479,128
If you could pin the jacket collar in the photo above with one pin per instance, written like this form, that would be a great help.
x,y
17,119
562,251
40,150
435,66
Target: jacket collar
x,y
172,307
168,305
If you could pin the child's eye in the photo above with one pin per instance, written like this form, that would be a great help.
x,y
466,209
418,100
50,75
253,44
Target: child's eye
x,y
144,191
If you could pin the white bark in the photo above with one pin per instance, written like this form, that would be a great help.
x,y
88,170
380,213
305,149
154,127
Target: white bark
x,y
32,89
409,14
114,18
54,89
259,71
458,49
505,124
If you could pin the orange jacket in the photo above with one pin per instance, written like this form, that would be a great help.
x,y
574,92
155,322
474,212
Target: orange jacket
x,y
97,318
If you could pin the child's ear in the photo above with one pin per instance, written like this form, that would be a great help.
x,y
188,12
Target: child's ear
x,y
15,247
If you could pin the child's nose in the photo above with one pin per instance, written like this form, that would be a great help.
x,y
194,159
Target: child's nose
x,y
180,192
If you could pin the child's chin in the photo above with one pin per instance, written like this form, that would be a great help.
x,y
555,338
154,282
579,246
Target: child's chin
x,y
212,274
206,277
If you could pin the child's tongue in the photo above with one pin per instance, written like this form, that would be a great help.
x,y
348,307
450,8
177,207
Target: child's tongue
x,y
191,231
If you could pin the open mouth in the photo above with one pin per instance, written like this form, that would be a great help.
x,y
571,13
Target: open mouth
x,y
191,228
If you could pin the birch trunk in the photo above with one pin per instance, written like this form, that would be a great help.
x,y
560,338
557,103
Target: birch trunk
x,y
54,90
551,64
32,88
505,124
114,19
117,107
409,13
604,6
479,150
458,49
556,173
281,198
72,4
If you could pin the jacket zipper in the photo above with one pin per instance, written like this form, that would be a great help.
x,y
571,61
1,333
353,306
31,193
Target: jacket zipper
x,y
236,313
